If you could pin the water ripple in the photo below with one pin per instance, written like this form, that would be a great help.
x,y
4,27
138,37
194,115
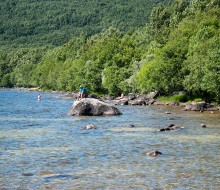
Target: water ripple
x,y
43,148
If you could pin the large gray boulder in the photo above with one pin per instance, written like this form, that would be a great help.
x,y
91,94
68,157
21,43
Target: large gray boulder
x,y
140,100
200,106
195,106
92,107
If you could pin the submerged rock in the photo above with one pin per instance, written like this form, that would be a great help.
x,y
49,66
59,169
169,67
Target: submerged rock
x,y
90,126
168,112
170,127
203,125
92,107
154,153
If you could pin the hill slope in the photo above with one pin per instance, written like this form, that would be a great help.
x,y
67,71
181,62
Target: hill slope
x,y
53,22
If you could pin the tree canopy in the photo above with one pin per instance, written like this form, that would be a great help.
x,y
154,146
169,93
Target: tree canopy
x,y
178,49
54,22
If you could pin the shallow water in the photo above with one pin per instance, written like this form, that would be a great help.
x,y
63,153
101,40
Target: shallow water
x,y
43,148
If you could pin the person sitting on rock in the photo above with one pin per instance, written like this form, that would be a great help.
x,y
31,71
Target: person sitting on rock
x,y
82,93
122,95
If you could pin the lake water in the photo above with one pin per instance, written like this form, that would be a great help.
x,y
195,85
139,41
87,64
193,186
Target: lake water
x,y
44,148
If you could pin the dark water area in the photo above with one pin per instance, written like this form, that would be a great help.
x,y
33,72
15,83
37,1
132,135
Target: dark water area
x,y
44,148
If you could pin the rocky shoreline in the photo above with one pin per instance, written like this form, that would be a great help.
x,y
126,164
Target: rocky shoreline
x,y
133,99
150,99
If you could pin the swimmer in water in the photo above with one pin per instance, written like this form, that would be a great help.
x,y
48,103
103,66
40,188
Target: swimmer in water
x,y
39,97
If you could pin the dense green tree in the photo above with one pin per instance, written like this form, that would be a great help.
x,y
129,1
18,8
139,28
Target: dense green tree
x,y
19,64
25,23
189,60
178,49
203,63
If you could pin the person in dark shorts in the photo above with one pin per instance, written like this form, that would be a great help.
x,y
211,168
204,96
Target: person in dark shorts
x,y
82,93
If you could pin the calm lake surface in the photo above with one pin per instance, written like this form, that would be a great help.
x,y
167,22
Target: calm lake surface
x,y
44,148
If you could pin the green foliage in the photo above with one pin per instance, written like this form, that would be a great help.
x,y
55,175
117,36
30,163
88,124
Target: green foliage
x,y
189,60
89,64
177,50
6,81
174,98
180,98
25,23
203,61
19,64
197,100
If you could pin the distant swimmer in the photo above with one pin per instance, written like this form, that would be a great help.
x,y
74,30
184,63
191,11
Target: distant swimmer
x,y
39,97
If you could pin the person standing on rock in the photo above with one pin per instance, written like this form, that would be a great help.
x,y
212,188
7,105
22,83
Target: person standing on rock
x,y
82,93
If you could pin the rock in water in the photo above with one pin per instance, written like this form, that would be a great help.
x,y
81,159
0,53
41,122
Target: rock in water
x,y
154,153
90,126
203,125
171,127
92,107
167,112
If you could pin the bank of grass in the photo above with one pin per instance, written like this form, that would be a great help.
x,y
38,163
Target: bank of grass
x,y
174,98
179,98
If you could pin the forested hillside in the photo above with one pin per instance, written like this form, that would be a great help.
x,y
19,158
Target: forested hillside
x,y
177,50
53,22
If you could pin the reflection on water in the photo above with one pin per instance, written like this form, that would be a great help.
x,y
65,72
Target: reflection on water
x,y
43,148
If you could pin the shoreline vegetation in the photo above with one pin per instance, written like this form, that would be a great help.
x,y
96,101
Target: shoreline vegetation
x,y
151,98
176,50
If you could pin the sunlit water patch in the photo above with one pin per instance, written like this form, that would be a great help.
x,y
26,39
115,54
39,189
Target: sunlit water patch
x,y
44,148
